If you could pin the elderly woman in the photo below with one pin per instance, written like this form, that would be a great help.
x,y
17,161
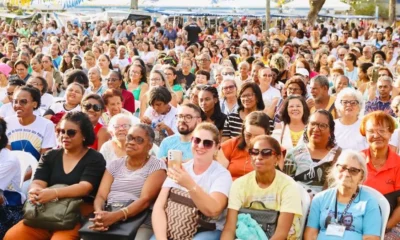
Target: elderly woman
x,y
346,207
295,113
273,190
229,101
118,128
93,106
307,162
96,85
145,174
113,100
383,163
75,165
349,103
208,192
234,153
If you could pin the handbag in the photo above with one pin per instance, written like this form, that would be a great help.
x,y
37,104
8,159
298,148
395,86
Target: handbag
x,y
63,214
183,217
10,212
266,218
123,230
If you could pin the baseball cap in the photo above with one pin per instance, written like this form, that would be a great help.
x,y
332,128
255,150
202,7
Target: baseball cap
x,y
5,69
302,71
76,57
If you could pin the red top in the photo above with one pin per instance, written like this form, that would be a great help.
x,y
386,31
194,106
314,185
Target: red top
x,y
387,178
239,160
129,101
95,145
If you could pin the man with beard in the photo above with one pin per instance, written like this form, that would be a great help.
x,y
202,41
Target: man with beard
x,y
189,115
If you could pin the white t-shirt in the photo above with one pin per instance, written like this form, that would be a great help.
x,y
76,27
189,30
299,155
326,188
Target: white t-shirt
x,y
269,95
250,37
58,107
349,136
147,56
31,138
7,110
10,172
169,119
215,179
3,93
394,140
123,63
46,101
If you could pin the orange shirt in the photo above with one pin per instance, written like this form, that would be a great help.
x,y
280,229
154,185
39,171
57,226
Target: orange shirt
x,y
239,160
386,179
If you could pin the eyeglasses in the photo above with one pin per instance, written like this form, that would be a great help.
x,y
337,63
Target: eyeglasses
x,y
293,89
69,132
155,79
381,131
228,74
247,96
123,126
352,171
138,140
111,79
321,126
207,144
264,152
95,107
341,55
21,102
229,88
20,70
35,84
267,75
186,118
351,102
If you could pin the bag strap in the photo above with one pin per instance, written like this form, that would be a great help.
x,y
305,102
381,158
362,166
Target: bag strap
x,y
181,200
283,131
337,154
259,202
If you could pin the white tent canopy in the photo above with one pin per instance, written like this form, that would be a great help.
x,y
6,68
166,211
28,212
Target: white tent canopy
x,y
336,5
205,3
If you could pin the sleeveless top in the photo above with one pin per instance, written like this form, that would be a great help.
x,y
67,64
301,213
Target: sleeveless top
x,y
95,145
136,91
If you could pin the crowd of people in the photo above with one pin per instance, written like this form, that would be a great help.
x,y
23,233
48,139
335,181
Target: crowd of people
x,y
258,120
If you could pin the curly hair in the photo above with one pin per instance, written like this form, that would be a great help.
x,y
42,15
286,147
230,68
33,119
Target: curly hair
x,y
82,120
3,136
332,139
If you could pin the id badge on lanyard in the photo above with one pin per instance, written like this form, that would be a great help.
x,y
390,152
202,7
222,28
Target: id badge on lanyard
x,y
335,229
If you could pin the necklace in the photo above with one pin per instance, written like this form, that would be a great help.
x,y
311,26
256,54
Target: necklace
x,y
130,168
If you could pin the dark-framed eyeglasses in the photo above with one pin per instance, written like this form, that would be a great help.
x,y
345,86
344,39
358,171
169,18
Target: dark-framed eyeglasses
x,y
266,152
187,118
349,102
21,102
137,139
352,171
321,126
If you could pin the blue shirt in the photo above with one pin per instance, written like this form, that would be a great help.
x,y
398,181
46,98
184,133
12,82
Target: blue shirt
x,y
378,105
362,218
174,142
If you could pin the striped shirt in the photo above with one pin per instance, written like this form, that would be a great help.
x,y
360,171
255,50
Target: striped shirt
x,y
233,126
128,184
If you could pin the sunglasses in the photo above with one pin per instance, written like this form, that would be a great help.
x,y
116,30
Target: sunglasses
x,y
352,171
267,152
69,132
21,102
138,140
207,144
95,107
111,79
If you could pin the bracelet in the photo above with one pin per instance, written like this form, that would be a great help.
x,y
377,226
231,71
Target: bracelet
x,y
125,212
56,199
194,188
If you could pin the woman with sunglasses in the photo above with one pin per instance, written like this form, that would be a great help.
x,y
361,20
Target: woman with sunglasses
x,y
209,104
264,181
294,117
75,165
346,208
93,106
249,100
73,97
95,81
206,181
138,176
41,84
383,164
310,160
156,79
234,153
118,128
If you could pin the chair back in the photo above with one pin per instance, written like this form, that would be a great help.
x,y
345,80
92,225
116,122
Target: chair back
x,y
305,205
26,160
383,205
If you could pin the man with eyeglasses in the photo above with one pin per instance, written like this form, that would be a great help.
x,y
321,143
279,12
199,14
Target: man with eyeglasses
x,y
341,52
188,117
383,101
366,55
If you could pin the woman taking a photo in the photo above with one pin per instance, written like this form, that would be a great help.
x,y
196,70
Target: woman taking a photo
x,y
356,211
208,192
265,180
308,162
349,103
75,165
234,154
115,147
249,100
138,177
93,106
289,132
383,164
209,104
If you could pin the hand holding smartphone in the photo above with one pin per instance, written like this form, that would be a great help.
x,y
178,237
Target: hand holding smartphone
x,y
174,158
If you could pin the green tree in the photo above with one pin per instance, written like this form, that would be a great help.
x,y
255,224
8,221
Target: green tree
x,y
368,9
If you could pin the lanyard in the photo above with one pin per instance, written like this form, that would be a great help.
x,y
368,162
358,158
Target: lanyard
x,y
347,207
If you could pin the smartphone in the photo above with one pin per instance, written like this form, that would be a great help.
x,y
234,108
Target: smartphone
x,y
375,75
174,158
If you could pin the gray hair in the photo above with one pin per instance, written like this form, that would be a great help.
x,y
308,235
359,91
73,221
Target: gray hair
x,y
115,119
386,78
149,131
354,156
321,80
351,93
244,63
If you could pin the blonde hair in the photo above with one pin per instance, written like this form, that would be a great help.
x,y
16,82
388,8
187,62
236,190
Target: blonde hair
x,y
211,128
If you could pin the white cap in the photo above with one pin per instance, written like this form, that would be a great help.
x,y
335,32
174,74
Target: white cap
x,y
302,71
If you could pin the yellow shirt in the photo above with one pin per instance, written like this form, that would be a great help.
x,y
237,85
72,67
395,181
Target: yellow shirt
x,y
330,107
282,195
295,136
